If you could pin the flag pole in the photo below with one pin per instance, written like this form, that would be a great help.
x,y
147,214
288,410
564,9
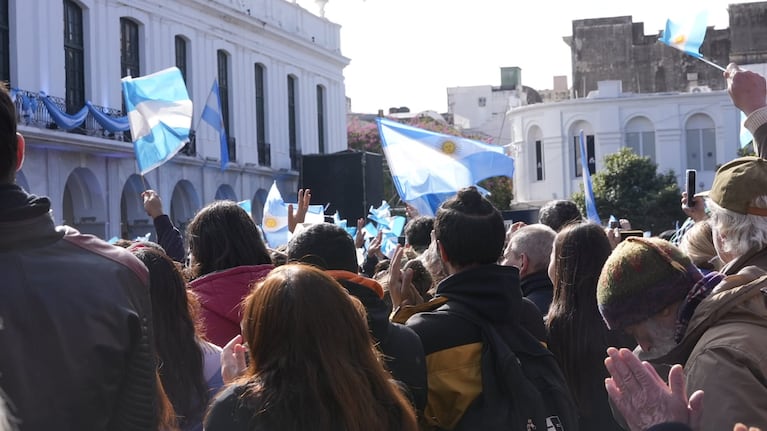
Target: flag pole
x,y
711,63
143,180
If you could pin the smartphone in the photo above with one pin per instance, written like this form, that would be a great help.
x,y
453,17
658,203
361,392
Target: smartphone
x,y
690,187
627,233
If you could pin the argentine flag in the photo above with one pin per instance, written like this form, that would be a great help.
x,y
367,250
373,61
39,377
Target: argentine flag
x,y
429,167
686,36
275,221
212,116
160,116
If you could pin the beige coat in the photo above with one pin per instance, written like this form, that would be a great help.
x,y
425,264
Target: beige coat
x,y
724,352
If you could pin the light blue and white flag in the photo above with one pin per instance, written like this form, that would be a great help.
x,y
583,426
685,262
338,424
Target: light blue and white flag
x,y
588,190
247,205
212,116
275,221
338,221
160,116
428,167
686,36
390,227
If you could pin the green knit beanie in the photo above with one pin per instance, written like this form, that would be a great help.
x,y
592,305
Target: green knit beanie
x,y
641,277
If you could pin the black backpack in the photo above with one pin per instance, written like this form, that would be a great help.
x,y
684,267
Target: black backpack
x,y
523,388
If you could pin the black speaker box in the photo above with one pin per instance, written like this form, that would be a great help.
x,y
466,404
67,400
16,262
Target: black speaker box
x,y
349,181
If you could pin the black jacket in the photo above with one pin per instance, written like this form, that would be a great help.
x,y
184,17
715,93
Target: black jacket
x,y
453,347
76,325
169,238
538,288
400,346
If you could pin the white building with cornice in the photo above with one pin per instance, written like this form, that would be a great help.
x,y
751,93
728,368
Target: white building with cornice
x,y
678,131
279,68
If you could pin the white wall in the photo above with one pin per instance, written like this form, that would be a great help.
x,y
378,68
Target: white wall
x,y
608,118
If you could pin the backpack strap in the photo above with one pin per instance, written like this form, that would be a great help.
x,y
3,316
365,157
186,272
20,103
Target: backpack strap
x,y
509,397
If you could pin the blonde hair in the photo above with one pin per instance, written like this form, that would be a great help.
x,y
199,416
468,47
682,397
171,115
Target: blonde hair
x,y
698,244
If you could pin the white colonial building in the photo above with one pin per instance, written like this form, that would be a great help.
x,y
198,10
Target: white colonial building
x,y
280,72
678,131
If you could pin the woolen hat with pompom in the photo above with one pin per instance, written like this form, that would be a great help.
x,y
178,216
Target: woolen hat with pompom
x,y
641,277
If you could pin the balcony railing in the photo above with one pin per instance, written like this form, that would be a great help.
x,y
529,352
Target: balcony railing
x,y
33,113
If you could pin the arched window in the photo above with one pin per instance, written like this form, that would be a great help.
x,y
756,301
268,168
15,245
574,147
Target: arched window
x,y
130,64
181,57
5,42
295,153
263,147
640,137
700,137
74,57
535,141
320,119
223,93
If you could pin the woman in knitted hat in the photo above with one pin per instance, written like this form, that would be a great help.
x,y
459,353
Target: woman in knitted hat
x,y
577,335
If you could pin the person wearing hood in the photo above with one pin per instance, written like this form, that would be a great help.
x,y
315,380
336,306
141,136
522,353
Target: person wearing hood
x,y
332,249
470,237
227,255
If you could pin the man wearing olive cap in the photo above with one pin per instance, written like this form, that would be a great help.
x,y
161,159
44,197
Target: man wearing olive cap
x,y
738,204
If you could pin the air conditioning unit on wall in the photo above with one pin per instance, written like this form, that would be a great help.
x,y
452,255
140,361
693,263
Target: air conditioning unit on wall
x,y
700,89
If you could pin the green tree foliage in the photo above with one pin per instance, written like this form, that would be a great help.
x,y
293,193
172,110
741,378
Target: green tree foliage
x,y
747,150
628,186
363,136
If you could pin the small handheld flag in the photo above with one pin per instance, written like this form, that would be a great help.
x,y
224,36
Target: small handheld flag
x,y
160,116
275,221
688,37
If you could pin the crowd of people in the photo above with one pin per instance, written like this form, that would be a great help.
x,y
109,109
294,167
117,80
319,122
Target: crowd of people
x,y
560,325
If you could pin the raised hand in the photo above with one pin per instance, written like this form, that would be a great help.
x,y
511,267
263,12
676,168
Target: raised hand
x,y
642,397
152,203
747,89
401,287
359,237
233,363
304,197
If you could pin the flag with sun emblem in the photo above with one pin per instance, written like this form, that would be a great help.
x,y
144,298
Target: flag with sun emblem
x,y
429,167
275,221
686,37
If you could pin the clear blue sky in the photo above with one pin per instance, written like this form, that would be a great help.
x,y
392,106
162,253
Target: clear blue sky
x,y
407,52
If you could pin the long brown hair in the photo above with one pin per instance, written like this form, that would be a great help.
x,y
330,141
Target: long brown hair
x,y
176,337
313,364
222,236
578,336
